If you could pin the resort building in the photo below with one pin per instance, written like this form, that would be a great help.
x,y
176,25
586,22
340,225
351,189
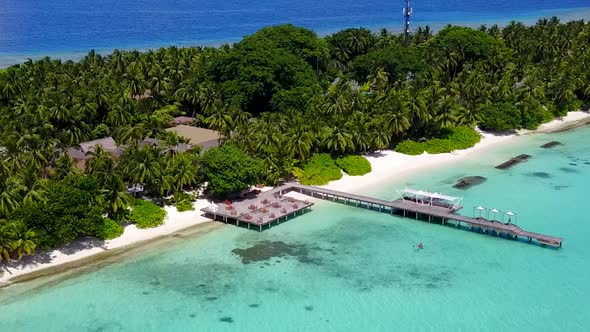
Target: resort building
x,y
205,138
182,120
81,152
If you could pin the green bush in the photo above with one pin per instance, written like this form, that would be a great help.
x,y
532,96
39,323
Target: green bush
x,y
319,170
500,117
185,205
145,214
455,139
110,229
229,170
354,165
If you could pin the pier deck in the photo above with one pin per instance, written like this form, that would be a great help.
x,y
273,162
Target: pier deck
x,y
272,206
407,207
260,211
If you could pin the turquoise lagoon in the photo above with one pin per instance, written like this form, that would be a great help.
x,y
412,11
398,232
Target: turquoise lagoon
x,y
347,269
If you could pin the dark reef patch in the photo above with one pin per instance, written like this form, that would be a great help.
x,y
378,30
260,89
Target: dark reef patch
x,y
308,308
568,170
266,250
254,305
551,144
226,319
469,181
514,161
542,175
211,298
573,164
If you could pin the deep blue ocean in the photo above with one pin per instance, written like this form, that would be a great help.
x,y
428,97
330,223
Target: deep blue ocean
x,y
33,28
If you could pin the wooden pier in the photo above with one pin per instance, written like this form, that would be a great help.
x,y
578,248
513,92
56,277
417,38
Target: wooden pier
x,y
272,207
263,211
409,208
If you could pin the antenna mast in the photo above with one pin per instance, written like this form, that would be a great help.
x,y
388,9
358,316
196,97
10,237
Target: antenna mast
x,y
407,15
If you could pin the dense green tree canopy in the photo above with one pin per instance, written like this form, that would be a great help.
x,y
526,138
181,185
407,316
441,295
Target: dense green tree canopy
x,y
281,95
394,60
72,210
229,170
272,69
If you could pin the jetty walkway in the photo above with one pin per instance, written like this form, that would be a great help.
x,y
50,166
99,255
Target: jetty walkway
x,y
405,207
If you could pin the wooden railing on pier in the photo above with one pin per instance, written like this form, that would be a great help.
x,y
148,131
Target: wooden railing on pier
x,y
407,207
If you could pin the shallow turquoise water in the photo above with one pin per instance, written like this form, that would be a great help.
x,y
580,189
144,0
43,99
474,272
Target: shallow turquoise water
x,y
347,269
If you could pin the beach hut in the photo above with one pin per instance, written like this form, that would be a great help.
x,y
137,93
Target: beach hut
x,y
511,216
480,209
495,212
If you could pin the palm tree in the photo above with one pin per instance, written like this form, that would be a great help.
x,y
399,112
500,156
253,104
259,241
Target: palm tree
x,y
100,165
220,118
10,195
22,239
142,165
337,139
299,143
114,194
446,110
6,243
379,79
64,166
183,170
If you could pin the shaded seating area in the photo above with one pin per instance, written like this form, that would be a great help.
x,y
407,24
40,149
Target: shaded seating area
x,y
430,198
258,209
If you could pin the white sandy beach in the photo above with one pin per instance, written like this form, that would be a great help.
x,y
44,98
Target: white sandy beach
x,y
386,165
390,165
174,221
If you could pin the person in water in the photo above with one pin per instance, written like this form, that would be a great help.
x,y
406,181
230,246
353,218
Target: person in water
x,y
420,245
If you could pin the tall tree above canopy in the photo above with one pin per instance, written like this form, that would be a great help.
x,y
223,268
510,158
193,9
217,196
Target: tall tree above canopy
x,y
271,69
454,46
228,170
302,42
395,60
347,44
472,44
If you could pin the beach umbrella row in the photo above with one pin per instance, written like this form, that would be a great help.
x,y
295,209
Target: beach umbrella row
x,y
511,215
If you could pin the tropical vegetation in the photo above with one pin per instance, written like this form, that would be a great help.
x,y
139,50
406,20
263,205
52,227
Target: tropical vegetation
x,y
280,97
145,214
319,170
354,165
451,139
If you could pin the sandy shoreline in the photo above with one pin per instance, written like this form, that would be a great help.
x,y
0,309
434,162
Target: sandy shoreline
x,y
387,166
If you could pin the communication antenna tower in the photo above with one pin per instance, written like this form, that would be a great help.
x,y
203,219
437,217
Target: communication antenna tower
x,y
407,15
